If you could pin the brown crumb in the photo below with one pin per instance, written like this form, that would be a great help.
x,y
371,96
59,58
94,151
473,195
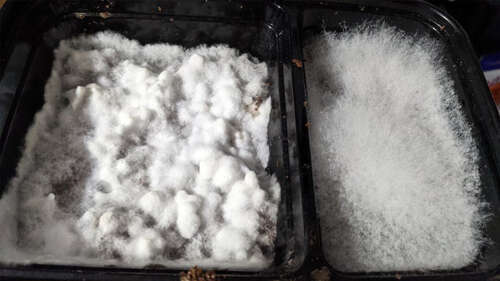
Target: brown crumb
x,y
80,15
321,274
308,124
159,9
254,106
258,101
196,274
105,15
298,63
305,103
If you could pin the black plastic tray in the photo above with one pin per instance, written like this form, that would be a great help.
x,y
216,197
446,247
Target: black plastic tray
x,y
248,26
272,32
412,17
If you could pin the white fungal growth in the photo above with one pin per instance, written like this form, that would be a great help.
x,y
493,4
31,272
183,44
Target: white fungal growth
x,y
146,154
394,164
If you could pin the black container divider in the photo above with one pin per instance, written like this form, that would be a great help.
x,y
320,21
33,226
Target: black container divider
x,y
274,32
315,261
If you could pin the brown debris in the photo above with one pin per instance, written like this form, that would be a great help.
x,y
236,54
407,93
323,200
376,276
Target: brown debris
x,y
253,108
80,16
308,124
258,101
197,274
321,274
105,15
305,103
298,63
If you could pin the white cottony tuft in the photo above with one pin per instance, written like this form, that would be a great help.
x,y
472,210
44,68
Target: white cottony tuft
x,y
135,159
394,163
